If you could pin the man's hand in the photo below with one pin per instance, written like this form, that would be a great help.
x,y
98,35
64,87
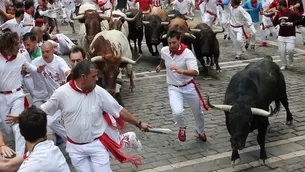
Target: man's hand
x,y
6,151
11,120
176,69
158,68
40,68
145,126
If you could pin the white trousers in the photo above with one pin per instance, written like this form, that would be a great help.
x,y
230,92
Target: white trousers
x,y
13,104
208,19
273,30
225,19
286,45
302,30
253,35
189,94
202,10
29,84
237,36
91,157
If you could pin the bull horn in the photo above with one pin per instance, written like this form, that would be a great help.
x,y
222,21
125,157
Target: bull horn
x,y
145,22
190,35
171,15
78,17
104,16
127,60
189,18
261,112
131,19
226,108
128,13
164,36
223,30
164,23
195,30
97,59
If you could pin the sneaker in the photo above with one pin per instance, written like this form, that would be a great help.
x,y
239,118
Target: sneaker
x,y
263,44
130,140
202,137
225,37
182,134
283,67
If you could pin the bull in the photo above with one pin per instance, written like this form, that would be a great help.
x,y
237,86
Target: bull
x,y
135,28
175,13
110,51
92,23
155,26
206,45
119,21
246,102
181,26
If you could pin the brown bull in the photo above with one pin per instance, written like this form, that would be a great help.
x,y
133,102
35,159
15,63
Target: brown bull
x,y
157,11
111,51
91,20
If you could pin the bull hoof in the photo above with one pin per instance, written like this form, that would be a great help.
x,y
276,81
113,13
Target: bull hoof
x,y
218,70
288,122
235,162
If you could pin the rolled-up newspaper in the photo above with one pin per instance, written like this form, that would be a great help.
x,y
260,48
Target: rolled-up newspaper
x,y
160,130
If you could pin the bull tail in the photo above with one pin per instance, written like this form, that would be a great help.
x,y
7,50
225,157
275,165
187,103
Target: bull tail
x,y
277,107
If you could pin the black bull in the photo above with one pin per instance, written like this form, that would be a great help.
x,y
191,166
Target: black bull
x,y
248,96
206,45
154,29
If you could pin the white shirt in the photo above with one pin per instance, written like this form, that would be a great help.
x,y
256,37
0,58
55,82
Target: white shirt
x,y
107,5
240,17
266,3
28,19
10,72
186,60
211,6
54,72
183,7
13,26
45,157
82,114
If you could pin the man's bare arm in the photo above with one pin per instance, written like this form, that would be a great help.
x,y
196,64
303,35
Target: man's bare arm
x,y
10,165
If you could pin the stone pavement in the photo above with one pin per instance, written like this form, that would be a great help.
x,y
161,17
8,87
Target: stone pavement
x,y
285,144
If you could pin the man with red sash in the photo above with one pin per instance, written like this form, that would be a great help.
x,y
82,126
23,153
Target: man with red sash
x,y
82,105
239,18
181,68
144,5
106,6
287,36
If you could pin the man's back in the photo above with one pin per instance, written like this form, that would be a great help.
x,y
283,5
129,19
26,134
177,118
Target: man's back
x,y
45,157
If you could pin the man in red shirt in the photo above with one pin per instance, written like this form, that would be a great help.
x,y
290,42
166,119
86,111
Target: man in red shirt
x,y
145,5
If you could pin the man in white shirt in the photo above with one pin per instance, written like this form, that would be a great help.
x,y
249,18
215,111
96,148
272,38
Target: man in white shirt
x,y
28,20
82,104
239,18
11,93
181,68
105,5
183,6
42,154
15,24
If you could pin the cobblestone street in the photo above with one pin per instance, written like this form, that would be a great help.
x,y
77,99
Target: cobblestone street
x,y
285,145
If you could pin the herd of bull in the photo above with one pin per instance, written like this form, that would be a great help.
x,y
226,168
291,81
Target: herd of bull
x,y
106,39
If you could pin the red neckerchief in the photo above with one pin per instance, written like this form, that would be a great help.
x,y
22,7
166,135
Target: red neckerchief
x,y
13,57
178,52
222,6
27,11
283,12
72,84
235,6
254,3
